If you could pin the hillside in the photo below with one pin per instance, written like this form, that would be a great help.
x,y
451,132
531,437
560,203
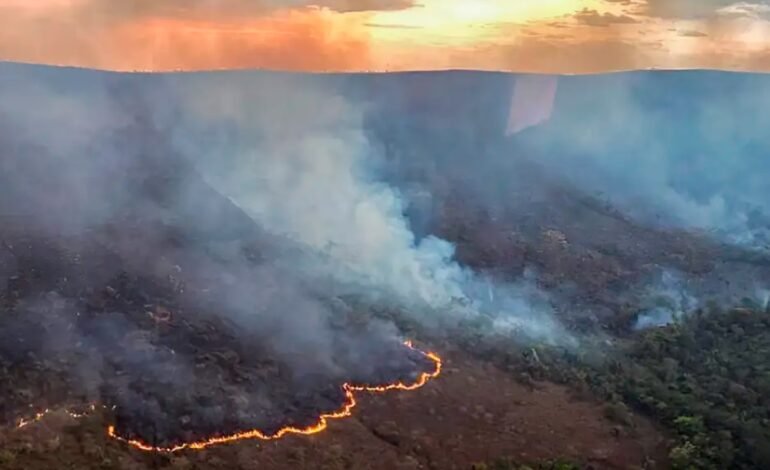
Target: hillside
x,y
202,254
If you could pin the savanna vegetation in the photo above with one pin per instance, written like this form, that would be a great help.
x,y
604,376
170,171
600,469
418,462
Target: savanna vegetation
x,y
708,380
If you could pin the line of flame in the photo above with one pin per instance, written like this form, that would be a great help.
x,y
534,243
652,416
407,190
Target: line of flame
x,y
38,416
24,422
323,420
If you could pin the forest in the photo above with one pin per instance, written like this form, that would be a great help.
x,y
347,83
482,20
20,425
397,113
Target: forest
x,y
705,379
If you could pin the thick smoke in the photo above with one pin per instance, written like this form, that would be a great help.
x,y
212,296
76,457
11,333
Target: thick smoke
x,y
672,296
763,298
65,133
597,182
679,149
253,202
287,224
295,156
296,160
105,224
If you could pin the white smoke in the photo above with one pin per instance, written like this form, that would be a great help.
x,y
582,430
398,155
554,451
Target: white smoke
x,y
296,159
669,300
299,166
762,297
679,150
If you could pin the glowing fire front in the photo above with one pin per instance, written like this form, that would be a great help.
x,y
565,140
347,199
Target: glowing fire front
x,y
320,425
24,422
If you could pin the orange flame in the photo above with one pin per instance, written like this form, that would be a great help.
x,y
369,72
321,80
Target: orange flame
x,y
323,420
24,422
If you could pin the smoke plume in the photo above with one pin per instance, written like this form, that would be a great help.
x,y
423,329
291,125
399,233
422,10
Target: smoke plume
x,y
257,203
677,149
295,156
668,300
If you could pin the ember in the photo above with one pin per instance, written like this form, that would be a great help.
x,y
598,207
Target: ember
x,y
160,315
39,416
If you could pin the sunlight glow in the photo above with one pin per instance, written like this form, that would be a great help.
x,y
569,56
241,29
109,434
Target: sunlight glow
x,y
463,21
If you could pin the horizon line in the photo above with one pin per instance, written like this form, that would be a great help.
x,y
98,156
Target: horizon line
x,y
375,72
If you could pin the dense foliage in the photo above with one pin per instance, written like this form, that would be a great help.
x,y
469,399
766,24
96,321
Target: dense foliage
x,y
706,379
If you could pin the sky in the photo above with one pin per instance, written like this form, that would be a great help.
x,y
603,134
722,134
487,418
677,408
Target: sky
x,y
544,36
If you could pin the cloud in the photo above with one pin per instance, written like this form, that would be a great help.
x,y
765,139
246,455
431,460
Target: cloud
x,y
365,5
317,40
391,26
594,18
746,9
588,56
321,35
348,35
690,33
687,8
101,10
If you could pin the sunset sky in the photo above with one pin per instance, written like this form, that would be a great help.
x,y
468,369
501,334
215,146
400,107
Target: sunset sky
x,y
564,36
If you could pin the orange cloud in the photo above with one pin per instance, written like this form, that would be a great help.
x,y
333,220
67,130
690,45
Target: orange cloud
x,y
289,41
285,39
572,36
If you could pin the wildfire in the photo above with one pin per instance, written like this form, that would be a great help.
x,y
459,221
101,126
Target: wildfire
x,y
24,422
345,411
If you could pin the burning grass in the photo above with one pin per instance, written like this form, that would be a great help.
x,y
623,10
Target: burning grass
x,y
169,367
346,410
